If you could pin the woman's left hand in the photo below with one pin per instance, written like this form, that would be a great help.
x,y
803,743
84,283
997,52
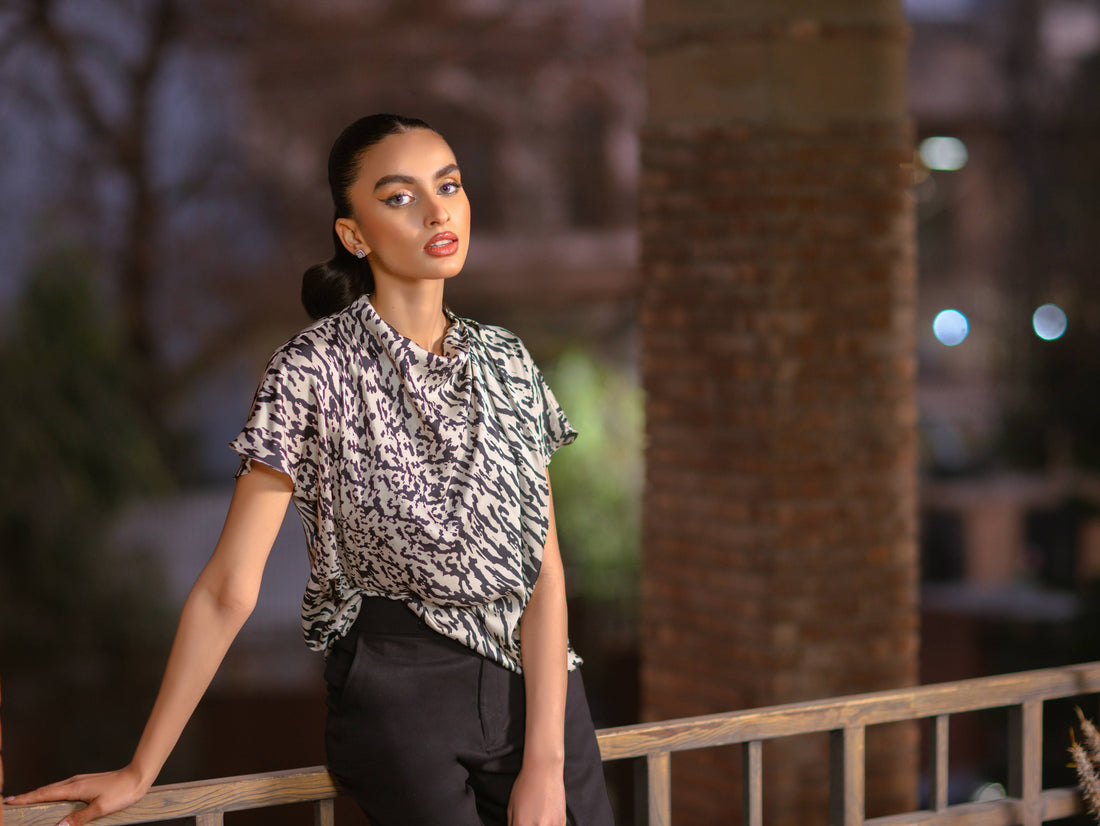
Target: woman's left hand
x,y
538,797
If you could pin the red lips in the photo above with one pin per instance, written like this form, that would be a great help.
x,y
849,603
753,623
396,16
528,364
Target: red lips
x,y
442,244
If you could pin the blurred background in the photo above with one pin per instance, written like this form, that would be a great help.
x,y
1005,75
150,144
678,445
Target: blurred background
x,y
163,188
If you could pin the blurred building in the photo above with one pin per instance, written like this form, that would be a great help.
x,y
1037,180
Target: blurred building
x,y
997,79
1010,498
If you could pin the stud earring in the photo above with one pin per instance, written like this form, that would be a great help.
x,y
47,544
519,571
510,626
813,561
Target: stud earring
x,y
360,254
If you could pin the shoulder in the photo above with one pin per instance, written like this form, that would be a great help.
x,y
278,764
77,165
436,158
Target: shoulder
x,y
323,348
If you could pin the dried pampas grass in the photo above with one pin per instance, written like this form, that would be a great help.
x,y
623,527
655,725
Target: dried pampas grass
x,y
1086,760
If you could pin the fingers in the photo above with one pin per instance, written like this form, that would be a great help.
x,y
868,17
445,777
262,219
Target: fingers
x,y
82,816
64,791
104,793
70,790
54,792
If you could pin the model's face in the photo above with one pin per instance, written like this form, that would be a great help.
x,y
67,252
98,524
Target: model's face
x,y
410,213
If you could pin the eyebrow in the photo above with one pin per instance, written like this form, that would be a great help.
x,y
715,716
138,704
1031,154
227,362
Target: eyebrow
x,y
407,179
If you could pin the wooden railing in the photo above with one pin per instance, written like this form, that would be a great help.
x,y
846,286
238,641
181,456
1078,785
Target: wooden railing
x,y
845,718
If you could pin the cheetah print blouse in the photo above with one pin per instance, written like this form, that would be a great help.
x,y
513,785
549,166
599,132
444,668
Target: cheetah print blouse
x,y
417,477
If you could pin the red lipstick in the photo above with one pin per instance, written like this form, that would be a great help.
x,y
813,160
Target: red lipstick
x,y
443,244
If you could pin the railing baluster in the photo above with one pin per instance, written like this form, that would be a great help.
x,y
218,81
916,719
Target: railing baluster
x,y
938,752
653,790
1025,759
752,783
324,812
846,776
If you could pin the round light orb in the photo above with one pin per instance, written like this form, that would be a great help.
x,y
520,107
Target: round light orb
x,y
1049,322
944,154
951,327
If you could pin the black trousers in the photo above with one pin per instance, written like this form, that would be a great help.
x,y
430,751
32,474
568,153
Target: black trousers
x,y
422,731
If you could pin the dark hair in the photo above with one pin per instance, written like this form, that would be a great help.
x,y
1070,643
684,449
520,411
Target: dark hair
x,y
331,286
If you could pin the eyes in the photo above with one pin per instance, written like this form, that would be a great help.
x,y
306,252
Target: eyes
x,y
400,199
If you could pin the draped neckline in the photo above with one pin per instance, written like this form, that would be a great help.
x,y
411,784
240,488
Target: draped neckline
x,y
426,370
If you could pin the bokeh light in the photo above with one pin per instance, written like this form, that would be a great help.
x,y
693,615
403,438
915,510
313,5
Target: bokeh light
x,y
944,154
951,327
1049,322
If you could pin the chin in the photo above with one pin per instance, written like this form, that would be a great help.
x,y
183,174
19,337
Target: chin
x,y
452,268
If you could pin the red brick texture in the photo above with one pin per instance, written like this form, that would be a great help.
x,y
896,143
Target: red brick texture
x,y
780,507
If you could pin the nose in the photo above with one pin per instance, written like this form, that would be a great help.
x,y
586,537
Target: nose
x,y
436,212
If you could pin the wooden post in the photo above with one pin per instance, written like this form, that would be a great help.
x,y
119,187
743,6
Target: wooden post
x,y
939,769
1025,759
653,790
324,812
846,776
752,783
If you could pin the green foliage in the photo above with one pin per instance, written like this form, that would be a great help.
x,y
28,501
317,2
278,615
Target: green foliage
x,y
598,479
82,628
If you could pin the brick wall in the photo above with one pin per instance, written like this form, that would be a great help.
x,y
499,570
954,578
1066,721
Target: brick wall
x,y
778,362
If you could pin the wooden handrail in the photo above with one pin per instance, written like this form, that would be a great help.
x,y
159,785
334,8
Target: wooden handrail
x,y
892,706
199,798
845,717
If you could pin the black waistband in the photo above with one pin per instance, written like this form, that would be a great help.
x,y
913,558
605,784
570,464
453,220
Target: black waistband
x,y
380,615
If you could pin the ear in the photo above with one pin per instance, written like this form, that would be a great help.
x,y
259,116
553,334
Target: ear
x,y
348,233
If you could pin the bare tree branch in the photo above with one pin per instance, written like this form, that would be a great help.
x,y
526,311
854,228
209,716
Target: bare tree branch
x,y
145,209
104,53
11,37
216,176
43,23
163,30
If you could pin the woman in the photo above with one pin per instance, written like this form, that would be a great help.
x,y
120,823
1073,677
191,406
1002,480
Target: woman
x,y
414,445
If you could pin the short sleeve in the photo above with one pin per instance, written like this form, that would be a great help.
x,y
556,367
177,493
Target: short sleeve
x,y
551,424
283,430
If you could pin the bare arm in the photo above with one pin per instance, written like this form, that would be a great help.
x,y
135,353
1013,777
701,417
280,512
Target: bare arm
x,y
538,797
219,603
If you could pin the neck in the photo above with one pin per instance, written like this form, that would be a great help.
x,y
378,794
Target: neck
x,y
415,311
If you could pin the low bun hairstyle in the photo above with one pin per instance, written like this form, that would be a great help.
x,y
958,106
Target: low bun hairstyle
x,y
332,285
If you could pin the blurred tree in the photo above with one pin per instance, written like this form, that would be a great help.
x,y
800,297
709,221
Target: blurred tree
x,y
127,112
82,627
598,479
108,88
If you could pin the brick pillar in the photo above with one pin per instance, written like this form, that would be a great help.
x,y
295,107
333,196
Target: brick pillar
x,y
778,362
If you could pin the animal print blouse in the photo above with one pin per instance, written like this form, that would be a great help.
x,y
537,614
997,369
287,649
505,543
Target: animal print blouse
x,y
417,476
